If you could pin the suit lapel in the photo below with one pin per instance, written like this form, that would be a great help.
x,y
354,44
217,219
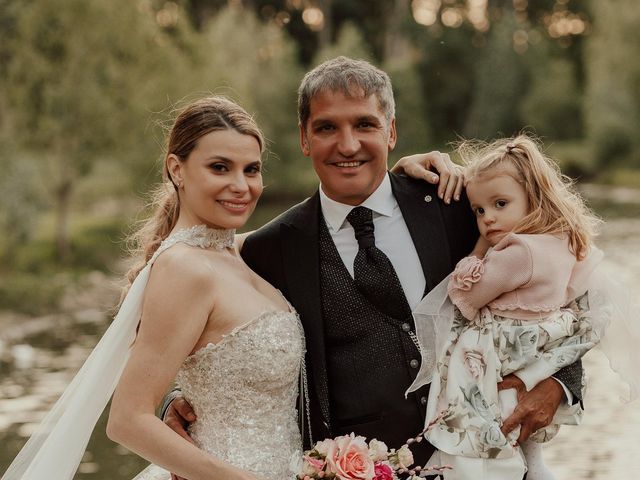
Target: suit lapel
x,y
302,271
426,227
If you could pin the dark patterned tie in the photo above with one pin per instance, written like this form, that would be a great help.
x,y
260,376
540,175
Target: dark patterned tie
x,y
374,275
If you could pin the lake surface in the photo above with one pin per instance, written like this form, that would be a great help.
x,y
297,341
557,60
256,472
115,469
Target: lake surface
x,y
38,358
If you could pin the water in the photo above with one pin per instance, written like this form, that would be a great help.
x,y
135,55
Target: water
x,y
38,358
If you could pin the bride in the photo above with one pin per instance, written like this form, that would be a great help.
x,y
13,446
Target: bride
x,y
194,313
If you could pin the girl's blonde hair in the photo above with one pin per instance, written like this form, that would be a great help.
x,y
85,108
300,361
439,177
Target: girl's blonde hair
x,y
197,119
555,207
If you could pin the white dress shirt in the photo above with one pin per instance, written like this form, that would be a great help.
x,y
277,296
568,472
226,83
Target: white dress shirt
x,y
392,237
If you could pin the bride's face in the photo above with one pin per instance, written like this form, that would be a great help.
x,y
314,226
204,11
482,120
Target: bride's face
x,y
221,180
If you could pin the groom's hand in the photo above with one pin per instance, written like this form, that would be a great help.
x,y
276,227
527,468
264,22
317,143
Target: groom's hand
x,y
449,176
535,408
178,416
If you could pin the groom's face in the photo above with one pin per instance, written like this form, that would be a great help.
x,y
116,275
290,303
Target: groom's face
x,y
348,139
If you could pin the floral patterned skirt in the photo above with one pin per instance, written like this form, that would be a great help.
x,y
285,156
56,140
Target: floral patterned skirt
x,y
464,414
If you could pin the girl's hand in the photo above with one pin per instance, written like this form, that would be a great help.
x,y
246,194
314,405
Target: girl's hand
x,y
482,245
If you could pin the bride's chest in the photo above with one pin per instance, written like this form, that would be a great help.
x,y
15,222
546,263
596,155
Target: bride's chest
x,y
263,354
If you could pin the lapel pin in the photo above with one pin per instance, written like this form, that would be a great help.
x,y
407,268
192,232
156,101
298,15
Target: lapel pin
x,y
428,198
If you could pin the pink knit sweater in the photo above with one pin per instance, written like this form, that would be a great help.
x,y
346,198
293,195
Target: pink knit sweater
x,y
523,276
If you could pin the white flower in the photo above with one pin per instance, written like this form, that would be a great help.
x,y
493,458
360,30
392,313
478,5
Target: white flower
x,y
324,446
492,437
378,451
475,397
405,457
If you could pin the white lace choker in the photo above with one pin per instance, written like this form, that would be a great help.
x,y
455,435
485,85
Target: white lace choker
x,y
204,237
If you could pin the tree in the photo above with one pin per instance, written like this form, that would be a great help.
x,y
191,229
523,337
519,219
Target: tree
x,y
553,104
255,63
612,97
77,84
349,42
499,85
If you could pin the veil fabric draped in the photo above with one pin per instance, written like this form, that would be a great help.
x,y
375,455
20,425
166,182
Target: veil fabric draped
x,y
55,450
433,320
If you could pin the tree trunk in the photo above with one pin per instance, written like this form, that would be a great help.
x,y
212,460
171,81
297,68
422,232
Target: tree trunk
x,y
325,36
63,203
396,45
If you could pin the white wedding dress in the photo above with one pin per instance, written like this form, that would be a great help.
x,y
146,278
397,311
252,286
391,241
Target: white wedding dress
x,y
243,390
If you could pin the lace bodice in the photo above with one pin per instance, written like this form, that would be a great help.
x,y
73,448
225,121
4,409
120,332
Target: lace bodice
x,y
244,389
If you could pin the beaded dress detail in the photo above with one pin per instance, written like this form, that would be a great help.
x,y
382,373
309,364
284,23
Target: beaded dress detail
x,y
244,388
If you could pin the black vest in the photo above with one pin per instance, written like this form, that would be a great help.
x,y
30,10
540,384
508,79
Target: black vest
x,y
371,361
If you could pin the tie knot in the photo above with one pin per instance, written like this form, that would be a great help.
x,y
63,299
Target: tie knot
x,y
361,219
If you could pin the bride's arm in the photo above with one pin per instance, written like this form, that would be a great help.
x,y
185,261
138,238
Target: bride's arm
x,y
178,301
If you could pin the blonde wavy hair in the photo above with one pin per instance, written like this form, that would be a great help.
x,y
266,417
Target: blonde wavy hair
x,y
555,206
197,119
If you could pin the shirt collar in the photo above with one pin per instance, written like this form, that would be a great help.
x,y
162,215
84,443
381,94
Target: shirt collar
x,y
381,201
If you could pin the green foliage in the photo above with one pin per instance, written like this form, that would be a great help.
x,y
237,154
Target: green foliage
x,y
258,68
499,85
575,158
22,198
32,280
349,42
96,244
447,60
82,83
414,133
553,104
77,86
612,101
30,293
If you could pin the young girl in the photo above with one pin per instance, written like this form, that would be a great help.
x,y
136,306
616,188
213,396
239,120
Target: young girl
x,y
534,257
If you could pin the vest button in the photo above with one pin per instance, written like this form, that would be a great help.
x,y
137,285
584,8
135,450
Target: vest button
x,y
414,363
406,327
423,400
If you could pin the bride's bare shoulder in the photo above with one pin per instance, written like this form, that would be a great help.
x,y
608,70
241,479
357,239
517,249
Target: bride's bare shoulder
x,y
183,263
240,238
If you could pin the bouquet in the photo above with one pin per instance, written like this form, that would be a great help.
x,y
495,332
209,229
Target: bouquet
x,y
349,457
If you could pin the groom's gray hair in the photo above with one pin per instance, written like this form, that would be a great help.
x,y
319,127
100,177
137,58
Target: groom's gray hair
x,y
353,78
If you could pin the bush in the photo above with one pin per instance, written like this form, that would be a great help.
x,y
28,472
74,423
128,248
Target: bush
x,y
575,158
613,145
32,294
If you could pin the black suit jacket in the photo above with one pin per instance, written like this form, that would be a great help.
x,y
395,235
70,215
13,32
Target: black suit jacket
x,y
286,253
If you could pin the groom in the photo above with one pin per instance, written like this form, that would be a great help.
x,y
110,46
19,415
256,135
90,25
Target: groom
x,y
355,274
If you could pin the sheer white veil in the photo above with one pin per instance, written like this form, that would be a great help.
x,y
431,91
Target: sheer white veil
x,y
55,450
610,301
433,320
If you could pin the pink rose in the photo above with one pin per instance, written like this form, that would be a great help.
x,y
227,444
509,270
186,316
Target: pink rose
x,y
474,363
349,459
383,471
468,271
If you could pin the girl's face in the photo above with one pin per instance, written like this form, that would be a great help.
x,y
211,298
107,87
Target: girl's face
x,y
498,201
220,180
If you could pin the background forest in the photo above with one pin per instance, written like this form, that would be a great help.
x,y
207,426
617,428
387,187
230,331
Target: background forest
x,y
87,86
